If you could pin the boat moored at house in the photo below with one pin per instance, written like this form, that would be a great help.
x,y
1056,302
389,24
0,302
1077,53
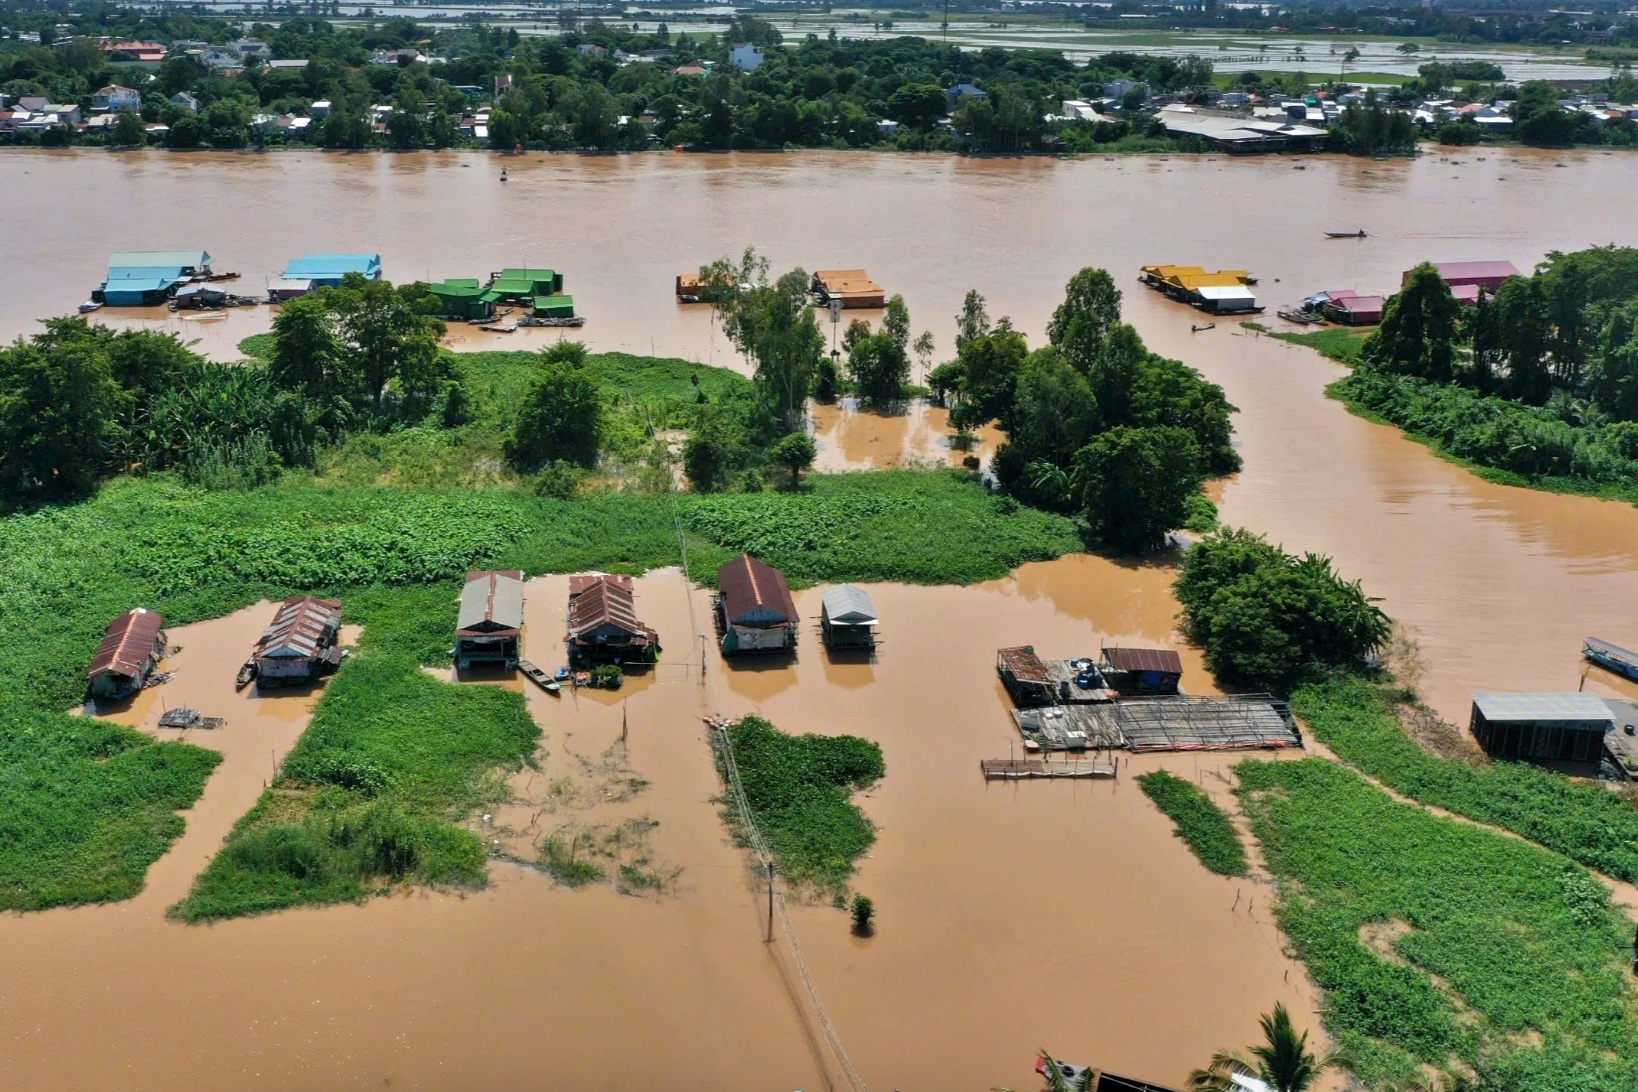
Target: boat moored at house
x,y
301,643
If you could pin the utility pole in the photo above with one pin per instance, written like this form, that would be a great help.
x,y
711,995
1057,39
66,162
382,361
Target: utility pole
x,y
770,901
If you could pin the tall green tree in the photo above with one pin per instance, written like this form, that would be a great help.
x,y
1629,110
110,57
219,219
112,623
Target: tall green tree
x,y
129,131
1135,485
879,363
59,408
1511,337
307,350
387,339
561,416
795,453
1419,329
774,326
1079,326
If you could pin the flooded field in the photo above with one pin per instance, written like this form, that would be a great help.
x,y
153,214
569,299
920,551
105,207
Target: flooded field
x,y
1059,914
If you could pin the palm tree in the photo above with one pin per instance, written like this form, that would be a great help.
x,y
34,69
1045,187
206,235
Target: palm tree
x,y
1282,1061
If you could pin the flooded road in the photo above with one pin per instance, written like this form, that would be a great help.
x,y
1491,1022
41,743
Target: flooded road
x,y
1063,915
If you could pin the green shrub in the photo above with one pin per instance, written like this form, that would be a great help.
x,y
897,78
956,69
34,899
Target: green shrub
x,y
799,790
1199,822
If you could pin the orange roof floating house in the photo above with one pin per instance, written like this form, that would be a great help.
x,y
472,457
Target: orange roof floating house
x,y
853,287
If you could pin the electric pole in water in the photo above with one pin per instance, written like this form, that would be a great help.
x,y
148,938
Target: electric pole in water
x,y
770,902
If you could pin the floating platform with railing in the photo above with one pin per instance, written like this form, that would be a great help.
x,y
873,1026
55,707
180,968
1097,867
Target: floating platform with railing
x,y
1026,769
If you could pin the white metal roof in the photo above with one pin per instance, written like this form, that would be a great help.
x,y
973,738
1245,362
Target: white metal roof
x,y
848,603
1237,292
1501,706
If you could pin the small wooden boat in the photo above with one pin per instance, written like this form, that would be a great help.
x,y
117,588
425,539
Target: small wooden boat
x,y
539,677
247,674
1293,314
1623,662
89,306
1197,327
1345,234
499,327
222,277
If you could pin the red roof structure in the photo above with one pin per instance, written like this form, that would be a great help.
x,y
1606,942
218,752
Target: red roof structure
x,y
1484,274
128,643
303,628
1163,660
603,622
754,593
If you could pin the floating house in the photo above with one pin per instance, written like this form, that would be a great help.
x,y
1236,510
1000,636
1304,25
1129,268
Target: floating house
x,y
1225,291
755,611
1549,727
1142,670
853,287
1348,308
280,289
523,285
847,618
1486,275
131,649
300,645
328,270
1032,681
554,307
603,627
489,625
463,300
138,278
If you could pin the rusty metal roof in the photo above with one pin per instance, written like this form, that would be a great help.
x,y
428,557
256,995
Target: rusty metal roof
x,y
1022,663
604,600
754,593
303,627
1163,660
491,603
128,641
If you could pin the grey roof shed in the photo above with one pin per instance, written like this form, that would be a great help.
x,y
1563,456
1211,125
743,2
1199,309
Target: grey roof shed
x,y
848,605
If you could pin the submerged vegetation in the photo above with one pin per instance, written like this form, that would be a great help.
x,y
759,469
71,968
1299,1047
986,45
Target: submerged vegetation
x,y
1443,944
800,789
1198,821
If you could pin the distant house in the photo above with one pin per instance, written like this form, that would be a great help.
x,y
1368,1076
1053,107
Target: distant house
x,y
603,624
755,611
300,645
250,48
224,64
319,109
286,66
689,70
489,626
503,84
396,56
131,649
185,101
140,52
964,91
1353,310
589,50
1117,89
112,98
1486,275
747,57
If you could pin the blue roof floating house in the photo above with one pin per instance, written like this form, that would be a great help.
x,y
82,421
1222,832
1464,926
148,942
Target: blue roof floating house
x,y
327,270
138,277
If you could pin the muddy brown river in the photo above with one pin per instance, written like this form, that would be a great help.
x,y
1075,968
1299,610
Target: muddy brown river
x,y
1061,915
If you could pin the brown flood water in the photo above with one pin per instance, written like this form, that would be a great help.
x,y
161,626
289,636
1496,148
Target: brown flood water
x,y
1063,915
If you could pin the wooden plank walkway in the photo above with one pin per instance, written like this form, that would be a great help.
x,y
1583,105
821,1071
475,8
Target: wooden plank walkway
x,y
1023,769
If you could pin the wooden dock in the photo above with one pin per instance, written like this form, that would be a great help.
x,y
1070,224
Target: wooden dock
x,y
1024,769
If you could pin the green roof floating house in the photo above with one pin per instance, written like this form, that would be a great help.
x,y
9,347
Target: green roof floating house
x,y
522,285
560,307
462,300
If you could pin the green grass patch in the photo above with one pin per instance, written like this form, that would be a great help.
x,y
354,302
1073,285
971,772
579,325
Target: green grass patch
x,y
800,792
369,795
1200,823
1360,721
1436,941
1340,343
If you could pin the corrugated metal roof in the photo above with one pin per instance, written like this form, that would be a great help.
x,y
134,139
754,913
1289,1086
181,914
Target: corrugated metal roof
x,y
848,603
1455,272
128,641
1022,662
309,266
1503,707
753,592
145,259
1216,292
491,603
605,600
1163,660
303,627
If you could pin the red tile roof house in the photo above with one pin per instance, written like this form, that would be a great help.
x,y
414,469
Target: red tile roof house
x,y
1486,275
